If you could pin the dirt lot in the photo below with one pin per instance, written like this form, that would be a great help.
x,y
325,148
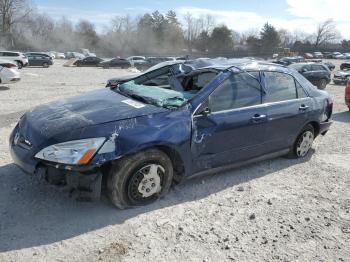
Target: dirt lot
x,y
277,210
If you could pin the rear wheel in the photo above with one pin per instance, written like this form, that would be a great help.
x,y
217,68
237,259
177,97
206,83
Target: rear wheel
x,y
140,179
303,143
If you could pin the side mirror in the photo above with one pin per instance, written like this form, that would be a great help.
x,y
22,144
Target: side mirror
x,y
304,70
206,111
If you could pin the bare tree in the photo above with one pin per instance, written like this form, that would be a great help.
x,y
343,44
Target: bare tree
x,y
12,12
326,32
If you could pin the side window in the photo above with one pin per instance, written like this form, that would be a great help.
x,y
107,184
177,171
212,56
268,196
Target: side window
x,y
280,87
300,90
239,90
317,68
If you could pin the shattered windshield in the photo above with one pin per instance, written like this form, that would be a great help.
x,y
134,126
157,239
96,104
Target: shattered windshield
x,y
160,96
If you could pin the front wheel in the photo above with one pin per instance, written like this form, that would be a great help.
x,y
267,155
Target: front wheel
x,y
45,65
140,179
303,143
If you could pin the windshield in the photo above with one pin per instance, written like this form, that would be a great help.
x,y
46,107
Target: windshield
x,y
161,96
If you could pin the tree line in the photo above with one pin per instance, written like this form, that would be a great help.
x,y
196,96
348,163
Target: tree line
x,y
22,27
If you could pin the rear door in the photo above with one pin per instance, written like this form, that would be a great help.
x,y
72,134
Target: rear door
x,y
232,125
288,109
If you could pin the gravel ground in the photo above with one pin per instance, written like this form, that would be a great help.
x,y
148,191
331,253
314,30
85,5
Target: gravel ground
x,y
276,210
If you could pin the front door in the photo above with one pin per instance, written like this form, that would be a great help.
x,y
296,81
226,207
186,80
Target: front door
x,y
231,125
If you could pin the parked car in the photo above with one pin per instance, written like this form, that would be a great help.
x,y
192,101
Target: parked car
x,y
330,65
141,137
115,62
60,55
317,55
20,59
89,61
77,55
327,54
347,94
42,54
337,55
9,73
318,74
341,77
39,60
345,65
136,60
346,55
289,60
308,56
152,61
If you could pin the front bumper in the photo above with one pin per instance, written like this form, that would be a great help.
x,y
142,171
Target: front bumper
x,y
86,180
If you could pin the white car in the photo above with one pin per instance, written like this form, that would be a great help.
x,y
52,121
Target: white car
x,y
9,75
60,56
17,57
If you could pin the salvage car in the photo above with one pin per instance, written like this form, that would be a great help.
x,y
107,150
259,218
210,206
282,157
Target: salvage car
x,y
169,124
317,73
89,61
115,62
341,77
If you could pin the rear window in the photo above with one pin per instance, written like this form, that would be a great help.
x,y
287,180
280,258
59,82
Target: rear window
x,y
280,87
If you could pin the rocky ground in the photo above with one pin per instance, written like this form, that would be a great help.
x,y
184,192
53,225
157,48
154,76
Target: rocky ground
x,y
276,210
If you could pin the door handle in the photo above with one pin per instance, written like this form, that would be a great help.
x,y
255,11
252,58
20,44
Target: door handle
x,y
303,107
258,118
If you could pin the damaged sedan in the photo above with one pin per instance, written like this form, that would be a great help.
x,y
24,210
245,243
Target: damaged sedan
x,y
175,122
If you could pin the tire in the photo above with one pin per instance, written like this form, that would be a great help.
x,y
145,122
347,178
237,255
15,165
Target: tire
x,y
19,64
303,143
45,65
322,84
127,182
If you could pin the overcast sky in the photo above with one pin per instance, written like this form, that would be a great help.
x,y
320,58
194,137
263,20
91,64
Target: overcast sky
x,y
239,15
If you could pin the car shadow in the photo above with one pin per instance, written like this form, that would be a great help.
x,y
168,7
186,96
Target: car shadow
x,y
33,213
342,117
4,88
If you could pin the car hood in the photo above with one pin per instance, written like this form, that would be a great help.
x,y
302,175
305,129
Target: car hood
x,y
92,108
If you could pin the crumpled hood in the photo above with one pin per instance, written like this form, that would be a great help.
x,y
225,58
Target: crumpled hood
x,y
92,108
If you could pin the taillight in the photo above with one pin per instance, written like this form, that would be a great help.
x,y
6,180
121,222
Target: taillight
x,y
8,65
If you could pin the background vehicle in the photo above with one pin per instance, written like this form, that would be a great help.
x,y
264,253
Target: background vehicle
x,y
39,60
115,62
318,74
345,65
330,65
317,55
17,57
89,61
347,94
136,60
337,55
341,77
308,55
40,54
289,60
60,55
170,124
9,74
152,61
77,55
346,55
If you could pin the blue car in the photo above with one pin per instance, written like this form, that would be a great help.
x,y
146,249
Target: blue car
x,y
175,122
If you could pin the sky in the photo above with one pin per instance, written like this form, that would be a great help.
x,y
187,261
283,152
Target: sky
x,y
239,15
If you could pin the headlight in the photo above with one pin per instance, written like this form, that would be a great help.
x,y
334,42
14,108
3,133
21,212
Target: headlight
x,y
77,152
